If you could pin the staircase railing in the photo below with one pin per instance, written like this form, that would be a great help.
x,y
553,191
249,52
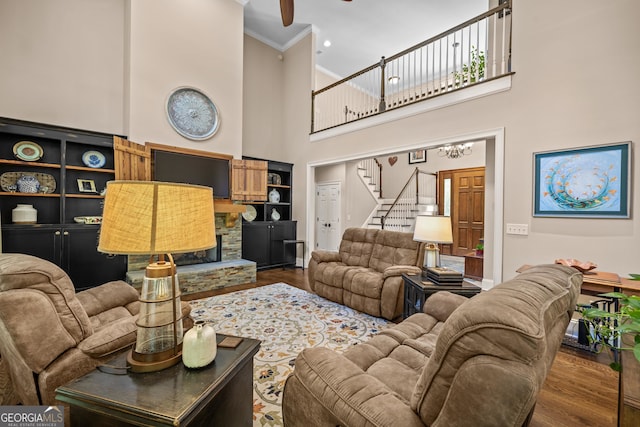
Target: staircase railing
x,y
475,51
403,210
373,171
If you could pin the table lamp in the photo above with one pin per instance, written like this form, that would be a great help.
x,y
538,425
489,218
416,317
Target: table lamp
x,y
432,229
157,218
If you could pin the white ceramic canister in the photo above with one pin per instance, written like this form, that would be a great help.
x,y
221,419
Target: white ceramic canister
x,y
199,346
24,214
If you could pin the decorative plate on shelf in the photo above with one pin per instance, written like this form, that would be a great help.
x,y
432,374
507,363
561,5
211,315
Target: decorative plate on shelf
x,y
9,181
250,214
27,151
192,114
93,159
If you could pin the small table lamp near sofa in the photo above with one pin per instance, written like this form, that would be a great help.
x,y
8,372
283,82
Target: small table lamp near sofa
x,y
157,218
432,230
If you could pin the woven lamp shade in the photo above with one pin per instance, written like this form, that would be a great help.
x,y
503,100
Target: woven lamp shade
x,y
433,229
149,217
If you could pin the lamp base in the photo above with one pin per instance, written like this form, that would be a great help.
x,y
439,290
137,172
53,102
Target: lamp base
x,y
149,364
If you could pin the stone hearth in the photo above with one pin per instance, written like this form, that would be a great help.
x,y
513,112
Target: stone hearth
x,y
195,275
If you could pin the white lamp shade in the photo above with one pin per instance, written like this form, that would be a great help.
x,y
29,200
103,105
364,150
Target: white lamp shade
x,y
433,229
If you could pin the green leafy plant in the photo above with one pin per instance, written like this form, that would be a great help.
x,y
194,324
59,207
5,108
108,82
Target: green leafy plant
x,y
614,329
480,247
472,72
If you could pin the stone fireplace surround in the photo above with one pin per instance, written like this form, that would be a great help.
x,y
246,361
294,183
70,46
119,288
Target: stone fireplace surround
x,y
201,277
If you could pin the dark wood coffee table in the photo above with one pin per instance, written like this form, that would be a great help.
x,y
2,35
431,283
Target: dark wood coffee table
x,y
218,394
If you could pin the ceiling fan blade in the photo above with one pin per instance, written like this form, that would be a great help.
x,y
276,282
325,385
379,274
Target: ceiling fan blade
x,y
286,10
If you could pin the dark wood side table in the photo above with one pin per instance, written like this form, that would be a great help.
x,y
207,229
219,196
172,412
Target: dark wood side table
x,y
220,394
418,288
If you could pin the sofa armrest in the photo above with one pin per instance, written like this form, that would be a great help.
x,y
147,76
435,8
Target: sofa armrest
x,y
326,256
441,304
398,270
350,394
114,337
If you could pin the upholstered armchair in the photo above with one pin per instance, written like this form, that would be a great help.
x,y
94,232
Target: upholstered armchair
x,y
49,335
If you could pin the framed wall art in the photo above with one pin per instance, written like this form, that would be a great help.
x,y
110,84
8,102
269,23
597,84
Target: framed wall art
x,y
590,182
419,156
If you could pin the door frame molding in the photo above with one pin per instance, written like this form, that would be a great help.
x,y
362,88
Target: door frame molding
x,y
494,148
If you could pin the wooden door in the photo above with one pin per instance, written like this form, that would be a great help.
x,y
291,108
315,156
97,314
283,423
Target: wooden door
x,y
466,208
132,161
248,180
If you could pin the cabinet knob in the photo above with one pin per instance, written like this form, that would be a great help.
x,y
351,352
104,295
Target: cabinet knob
x,y
57,233
66,233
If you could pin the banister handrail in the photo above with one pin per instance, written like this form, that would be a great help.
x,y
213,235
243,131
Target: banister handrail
x,y
395,203
505,5
475,51
379,177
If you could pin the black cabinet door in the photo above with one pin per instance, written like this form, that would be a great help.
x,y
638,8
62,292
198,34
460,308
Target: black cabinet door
x,y
255,242
85,265
42,242
280,231
74,249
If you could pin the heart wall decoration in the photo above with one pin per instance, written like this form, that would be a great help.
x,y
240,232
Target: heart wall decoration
x,y
393,160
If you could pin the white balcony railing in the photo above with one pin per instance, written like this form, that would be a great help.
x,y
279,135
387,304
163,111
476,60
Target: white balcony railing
x,y
475,51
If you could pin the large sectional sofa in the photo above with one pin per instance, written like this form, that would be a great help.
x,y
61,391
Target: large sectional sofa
x,y
462,362
366,272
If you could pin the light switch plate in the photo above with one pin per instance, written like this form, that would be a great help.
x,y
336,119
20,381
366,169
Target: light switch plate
x,y
520,229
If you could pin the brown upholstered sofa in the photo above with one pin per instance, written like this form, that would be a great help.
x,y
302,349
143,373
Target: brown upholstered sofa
x,y
463,362
50,335
366,272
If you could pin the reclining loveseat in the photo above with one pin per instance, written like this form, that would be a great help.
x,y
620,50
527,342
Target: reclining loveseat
x,y
366,273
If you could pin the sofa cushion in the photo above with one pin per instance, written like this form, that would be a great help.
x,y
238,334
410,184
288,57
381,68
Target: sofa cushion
x,y
393,248
357,245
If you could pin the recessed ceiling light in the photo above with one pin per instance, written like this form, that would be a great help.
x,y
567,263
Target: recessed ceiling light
x,y
327,43
394,80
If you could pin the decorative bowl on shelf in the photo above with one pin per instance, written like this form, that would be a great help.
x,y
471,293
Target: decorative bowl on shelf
x,y
578,265
88,219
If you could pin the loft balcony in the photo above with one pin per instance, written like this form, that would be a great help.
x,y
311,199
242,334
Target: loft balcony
x,y
471,54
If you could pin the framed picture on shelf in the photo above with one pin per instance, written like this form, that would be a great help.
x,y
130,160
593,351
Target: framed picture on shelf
x,y
419,156
86,186
589,182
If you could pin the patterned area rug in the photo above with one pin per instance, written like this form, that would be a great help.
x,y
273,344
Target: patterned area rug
x,y
287,320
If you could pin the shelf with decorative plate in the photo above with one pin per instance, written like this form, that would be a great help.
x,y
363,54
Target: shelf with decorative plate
x,y
63,171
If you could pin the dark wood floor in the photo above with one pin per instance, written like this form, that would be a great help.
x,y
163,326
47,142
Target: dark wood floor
x,y
580,390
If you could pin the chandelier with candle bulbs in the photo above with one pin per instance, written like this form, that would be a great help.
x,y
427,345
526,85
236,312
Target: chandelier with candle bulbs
x,y
455,151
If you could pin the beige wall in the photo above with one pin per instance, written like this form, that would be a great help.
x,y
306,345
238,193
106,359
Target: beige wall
x,y
61,62
263,96
560,98
109,65
197,43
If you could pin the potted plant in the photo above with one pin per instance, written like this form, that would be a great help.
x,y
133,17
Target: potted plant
x,y
479,249
615,330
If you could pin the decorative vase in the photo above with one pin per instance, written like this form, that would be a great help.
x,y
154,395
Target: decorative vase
x,y
199,346
28,184
274,196
24,214
275,215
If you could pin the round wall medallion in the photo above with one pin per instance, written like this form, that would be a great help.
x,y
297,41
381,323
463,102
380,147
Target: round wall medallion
x,y
192,114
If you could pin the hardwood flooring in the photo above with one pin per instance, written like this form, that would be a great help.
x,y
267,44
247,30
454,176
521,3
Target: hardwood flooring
x,y
580,390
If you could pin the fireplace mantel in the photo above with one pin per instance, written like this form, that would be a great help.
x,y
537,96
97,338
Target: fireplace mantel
x,y
229,208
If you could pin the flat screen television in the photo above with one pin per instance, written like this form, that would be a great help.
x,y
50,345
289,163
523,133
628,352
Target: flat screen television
x,y
191,169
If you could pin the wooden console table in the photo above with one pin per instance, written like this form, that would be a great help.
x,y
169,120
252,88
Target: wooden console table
x,y
218,394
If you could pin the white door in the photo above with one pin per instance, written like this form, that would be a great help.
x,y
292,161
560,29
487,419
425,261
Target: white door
x,y
328,216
